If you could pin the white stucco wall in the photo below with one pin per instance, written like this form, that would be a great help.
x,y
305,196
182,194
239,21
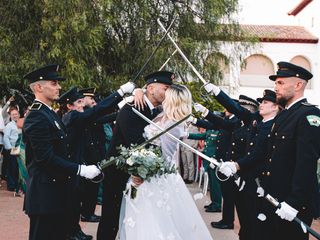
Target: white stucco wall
x,y
276,52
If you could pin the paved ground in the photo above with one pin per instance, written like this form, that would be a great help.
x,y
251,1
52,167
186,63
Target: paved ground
x,y
14,223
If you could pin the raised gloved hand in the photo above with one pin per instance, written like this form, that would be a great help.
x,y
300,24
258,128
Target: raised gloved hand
x,y
89,172
260,192
212,89
286,212
228,168
126,88
199,108
191,120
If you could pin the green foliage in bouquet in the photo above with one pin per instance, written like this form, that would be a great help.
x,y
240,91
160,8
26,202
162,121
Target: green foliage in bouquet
x,y
144,162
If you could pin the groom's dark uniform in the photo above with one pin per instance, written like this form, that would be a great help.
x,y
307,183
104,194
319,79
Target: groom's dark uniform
x,y
128,130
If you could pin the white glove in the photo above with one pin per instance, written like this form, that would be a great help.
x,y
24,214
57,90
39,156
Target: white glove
x,y
199,108
184,135
228,168
286,212
89,172
192,120
212,165
212,89
126,88
260,192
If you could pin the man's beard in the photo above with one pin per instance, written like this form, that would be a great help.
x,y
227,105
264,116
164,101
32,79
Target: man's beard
x,y
282,101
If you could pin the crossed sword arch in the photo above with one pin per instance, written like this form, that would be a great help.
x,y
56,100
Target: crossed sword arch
x,y
104,163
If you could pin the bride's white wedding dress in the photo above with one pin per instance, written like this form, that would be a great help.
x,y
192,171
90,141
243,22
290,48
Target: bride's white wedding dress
x,y
163,208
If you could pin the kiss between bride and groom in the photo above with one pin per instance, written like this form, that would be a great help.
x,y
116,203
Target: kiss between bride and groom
x,y
163,207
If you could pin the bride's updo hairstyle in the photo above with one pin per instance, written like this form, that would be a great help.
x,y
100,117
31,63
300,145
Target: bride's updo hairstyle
x,y
177,103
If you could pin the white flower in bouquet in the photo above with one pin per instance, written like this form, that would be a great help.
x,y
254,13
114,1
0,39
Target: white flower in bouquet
x,y
144,163
130,161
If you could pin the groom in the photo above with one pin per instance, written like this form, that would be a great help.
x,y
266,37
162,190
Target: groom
x,y
128,130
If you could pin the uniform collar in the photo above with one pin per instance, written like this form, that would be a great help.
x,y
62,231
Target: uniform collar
x,y
44,104
269,119
299,99
150,105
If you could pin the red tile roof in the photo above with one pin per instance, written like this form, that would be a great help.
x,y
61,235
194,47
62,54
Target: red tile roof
x,y
277,33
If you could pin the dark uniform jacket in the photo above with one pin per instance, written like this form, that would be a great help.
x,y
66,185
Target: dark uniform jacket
x,y
76,123
95,140
128,130
225,127
49,168
238,138
294,149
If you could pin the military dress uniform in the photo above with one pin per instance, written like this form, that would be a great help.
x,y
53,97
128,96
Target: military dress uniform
x,y
210,147
232,132
49,169
95,151
240,139
291,163
76,123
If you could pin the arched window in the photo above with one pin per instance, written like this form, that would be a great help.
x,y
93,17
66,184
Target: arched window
x,y
256,72
303,62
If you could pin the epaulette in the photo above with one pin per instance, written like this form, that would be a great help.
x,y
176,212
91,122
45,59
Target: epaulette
x,y
309,104
35,106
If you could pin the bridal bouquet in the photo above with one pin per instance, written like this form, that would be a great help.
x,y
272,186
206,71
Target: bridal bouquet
x,y
144,163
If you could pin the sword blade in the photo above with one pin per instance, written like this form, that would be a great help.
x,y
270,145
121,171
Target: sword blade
x,y
155,50
182,54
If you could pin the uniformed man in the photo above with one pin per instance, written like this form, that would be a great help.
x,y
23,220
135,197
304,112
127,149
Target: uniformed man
x,y
95,151
210,148
245,110
255,151
291,162
49,168
76,121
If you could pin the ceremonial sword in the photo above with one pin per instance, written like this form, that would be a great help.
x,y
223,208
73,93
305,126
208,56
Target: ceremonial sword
x,y
182,54
155,50
275,203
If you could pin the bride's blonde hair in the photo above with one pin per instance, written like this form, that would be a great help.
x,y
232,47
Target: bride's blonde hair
x,y
177,103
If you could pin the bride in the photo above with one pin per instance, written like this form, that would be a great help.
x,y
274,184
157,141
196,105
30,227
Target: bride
x,y
164,208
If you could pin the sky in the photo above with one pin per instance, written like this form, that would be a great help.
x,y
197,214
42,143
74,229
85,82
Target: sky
x,y
268,12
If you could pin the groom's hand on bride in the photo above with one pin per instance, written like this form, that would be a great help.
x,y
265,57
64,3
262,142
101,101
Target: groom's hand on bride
x,y
137,181
138,95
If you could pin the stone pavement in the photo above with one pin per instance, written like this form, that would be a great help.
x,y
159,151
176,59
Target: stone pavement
x,y
14,223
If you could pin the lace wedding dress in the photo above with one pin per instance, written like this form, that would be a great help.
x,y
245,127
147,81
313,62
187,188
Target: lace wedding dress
x,y
163,208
